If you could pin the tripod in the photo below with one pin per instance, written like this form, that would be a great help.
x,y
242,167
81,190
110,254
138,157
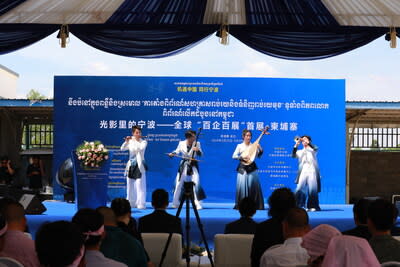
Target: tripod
x,y
188,198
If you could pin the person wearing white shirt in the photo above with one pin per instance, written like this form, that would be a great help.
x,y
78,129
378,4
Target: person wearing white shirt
x,y
136,167
290,253
188,169
247,181
308,178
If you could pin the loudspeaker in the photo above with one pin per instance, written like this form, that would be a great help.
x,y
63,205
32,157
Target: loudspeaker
x,y
371,198
32,204
397,204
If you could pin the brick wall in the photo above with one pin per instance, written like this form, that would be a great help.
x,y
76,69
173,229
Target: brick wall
x,y
374,174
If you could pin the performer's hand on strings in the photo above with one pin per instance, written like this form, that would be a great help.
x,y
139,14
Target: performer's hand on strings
x,y
196,149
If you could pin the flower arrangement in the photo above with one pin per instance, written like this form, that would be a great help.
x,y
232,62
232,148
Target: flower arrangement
x,y
92,154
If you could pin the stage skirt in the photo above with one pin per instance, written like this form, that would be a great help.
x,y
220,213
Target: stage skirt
x,y
248,185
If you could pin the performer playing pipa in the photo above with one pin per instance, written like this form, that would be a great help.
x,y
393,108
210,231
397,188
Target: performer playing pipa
x,y
248,184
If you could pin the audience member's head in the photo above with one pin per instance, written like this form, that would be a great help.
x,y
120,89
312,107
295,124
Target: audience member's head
x,y
159,199
295,223
280,202
360,211
349,251
109,216
59,244
3,230
14,213
35,160
121,207
381,216
4,203
317,240
3,161
247,207
91,223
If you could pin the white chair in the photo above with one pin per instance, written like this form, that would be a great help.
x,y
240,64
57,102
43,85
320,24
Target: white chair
x,y
9,262
154,244
231,250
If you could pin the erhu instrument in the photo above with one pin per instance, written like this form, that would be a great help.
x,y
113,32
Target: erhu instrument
x,y
182,157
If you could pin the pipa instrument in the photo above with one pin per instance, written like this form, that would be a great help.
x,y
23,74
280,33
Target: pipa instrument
x,y
250,153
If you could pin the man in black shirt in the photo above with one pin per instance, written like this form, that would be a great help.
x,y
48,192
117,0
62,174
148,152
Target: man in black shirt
x,y
269,232
159,221
246,224
6,171
360,210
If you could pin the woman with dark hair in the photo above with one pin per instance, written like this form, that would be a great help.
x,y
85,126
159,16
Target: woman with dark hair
x,y
308,178
247,183
135,171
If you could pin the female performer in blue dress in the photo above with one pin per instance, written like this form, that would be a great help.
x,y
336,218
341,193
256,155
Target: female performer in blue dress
x,y
247,184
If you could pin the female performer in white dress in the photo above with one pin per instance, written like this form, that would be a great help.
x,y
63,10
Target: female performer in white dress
x,y
308,178
247,184
135,170
188,169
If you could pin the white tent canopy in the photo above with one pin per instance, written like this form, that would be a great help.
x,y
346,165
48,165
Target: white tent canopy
x,y
371,13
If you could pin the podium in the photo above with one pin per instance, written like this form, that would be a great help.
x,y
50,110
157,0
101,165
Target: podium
x,y
94,187
90,184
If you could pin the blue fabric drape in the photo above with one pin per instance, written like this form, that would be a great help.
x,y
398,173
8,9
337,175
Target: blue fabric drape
x,y
159,12
17,36
6,5
288,29
143,41
306,44
294,13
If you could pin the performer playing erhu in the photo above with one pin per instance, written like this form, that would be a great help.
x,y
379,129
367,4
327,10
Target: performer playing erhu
x,y
248,184
308,177
135,170
188,168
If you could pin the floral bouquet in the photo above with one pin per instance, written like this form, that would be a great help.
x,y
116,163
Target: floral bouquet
x,y
92,154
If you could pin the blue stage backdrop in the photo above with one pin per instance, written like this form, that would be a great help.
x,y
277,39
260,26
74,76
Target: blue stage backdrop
x,y
105,108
